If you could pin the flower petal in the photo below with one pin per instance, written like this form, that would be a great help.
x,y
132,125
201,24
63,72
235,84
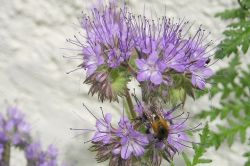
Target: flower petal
x,y
143,76
126,151
108,118
156,78
138,150
141,64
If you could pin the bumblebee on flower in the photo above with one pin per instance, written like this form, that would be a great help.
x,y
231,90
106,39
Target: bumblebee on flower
x,y
155,133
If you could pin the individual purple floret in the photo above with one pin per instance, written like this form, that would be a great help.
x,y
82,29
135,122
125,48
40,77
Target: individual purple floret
x,y
104,130
150,69
92,59
132,142
37,157
177,136
199,76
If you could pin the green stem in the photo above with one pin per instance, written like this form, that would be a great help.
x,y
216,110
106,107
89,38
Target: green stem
x,y
130,104
6,154
242,5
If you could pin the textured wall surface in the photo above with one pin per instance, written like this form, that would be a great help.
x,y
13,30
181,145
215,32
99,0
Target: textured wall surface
x,y
33,71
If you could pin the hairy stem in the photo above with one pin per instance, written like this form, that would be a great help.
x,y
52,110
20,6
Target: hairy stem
x,y
6,154
130,104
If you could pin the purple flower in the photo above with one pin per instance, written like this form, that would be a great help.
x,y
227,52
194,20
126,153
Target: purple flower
x,y
13,113
1,150
37,157
177,136
115,58
92,58
198,60
199,76
104,129
117,144
52,151
33,151
14,128
132,142
164,51
165,131
109,40
150,69
174,58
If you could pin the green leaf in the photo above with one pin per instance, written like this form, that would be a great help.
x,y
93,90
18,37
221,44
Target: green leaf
x,y
235,38
243,135
231,14
247,154
230,139
200,149
205,161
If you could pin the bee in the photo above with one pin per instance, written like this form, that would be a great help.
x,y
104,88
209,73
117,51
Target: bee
x,y
152,117
159,125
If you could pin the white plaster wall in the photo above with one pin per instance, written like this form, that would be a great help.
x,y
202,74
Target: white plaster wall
x,y
33,72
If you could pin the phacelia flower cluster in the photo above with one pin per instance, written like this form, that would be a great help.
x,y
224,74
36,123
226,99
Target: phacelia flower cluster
x,y
38,157
14,129
168,64
154,134
15,132
157,53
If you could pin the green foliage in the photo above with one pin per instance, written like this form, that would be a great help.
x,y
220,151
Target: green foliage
x,y
229,133
237,34
232,83
247,155
199,150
